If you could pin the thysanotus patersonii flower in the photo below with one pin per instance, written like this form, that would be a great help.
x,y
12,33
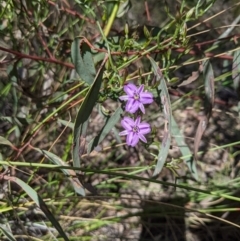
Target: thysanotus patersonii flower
x,y
134,130
136,98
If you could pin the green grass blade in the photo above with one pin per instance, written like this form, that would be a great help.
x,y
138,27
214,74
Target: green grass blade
x,y
7,233
71,174
41,204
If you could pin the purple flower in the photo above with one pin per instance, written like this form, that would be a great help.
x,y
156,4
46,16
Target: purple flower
x,y
134,130
136,98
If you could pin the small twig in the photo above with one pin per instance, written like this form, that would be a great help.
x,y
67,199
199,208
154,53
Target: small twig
x,y
147,12
20,150
45,45
74,13
37,58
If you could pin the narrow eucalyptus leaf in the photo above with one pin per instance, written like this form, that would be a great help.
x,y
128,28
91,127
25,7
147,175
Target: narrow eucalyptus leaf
x,y
165,101
186,153
236,71
202,125
163,152
208,76
83,61
190,79
41,204
109,124
83,115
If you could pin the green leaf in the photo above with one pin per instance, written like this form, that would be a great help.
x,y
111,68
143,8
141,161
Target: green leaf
x,y
187,155
202,125
4,141
7,233
4,90
236,71
65,123
208,76
41,204
124,8
109,124
83,61
71,174
167,112
81,122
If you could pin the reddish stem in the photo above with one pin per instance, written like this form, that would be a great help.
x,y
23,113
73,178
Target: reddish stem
x,y
37,58
74,13
147,12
